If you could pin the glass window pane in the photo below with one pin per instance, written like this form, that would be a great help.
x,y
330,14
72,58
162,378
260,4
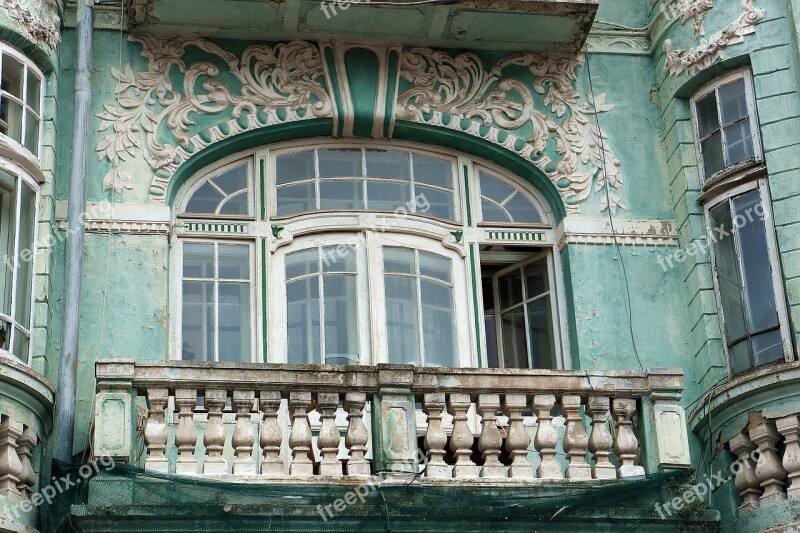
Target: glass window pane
x,y
495,189
388,164
728,279
198,260
761,308
434,266
433,171
204,200
767,347
341,194
302,316
235,205
536,282
341,320
340,258
12,79
27,220
232,180
402,326
438,330
435,203
296,166
387,196
739,357
302,263
733,101
198,321
21,344
234,261
234,322
515,347
541,335
346,163
510,287
11,118
523,209
399,260
713,160
492,212
707,117
296,198
34,96
738,143
5,334
32,133
8,220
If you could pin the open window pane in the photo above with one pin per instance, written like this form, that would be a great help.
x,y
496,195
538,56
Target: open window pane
x,y
728,276
540,333
515,345
198,321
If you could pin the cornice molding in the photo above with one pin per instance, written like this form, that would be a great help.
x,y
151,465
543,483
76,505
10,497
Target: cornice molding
x,y
628,232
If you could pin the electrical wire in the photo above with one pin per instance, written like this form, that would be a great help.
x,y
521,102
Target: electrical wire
x,y
628,306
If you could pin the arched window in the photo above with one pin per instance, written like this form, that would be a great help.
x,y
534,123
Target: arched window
x,y
345,253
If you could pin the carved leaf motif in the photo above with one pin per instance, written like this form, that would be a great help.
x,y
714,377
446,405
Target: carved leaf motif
x,y
448,89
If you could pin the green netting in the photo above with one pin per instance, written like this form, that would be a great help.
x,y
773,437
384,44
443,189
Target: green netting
x,y
127,499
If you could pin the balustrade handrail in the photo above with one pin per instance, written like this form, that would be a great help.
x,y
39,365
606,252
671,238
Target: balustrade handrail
x,y
667,382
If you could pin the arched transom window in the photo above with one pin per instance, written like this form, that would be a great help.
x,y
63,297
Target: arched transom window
x,y
339,253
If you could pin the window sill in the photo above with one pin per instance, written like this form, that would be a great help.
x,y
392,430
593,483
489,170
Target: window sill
x,y
731,178
19,155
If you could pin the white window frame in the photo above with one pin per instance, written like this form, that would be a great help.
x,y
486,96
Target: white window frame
x,y
27,64
21,176
329,227
777,280
521,188
758,155
212,172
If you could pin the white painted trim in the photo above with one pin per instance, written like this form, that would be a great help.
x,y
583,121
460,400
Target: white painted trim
x,y
126,218
597,230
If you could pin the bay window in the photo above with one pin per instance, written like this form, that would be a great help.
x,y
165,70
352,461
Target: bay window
x,y
364,254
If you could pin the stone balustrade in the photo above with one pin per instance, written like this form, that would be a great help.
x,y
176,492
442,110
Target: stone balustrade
x,y
26,411
257,422
768,456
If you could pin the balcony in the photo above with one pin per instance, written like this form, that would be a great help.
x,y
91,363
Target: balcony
x,y
290,423
535,25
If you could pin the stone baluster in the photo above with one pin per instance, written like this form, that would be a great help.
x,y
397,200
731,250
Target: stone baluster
x,y
155,432
356,438
546,438
186,433
600,440
746,483
626,445
490,440
329,436
11,469
789,427
243,436
517,439
769,470
25,445
461,439
575,438
271,434
214,437
300,437
435,438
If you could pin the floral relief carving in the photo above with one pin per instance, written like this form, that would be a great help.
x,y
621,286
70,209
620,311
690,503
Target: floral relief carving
x,y
277,84
36,29
561,137
695,10
708,52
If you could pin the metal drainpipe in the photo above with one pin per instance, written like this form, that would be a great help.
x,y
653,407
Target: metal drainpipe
x,y
70,318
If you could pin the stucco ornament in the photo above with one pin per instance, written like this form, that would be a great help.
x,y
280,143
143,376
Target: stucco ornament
x,y
36,29
281,83
707,52
695,10
457,92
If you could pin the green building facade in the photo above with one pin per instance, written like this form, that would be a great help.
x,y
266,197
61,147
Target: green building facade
x,y
459,265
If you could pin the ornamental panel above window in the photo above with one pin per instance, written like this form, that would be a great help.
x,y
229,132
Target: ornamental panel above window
x,y
343,254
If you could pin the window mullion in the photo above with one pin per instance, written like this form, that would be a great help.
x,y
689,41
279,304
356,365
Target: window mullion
x,y
316,180
24,95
